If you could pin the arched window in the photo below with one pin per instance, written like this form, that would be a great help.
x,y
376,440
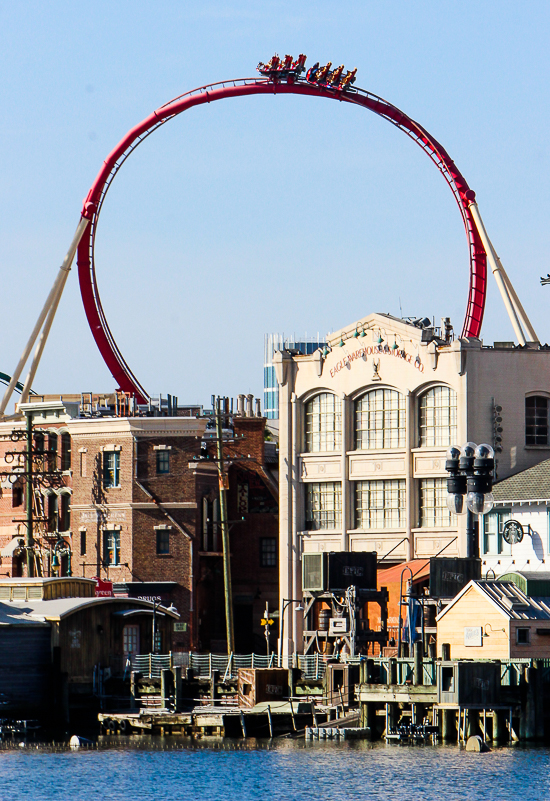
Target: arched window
x,y
536,420
64,511
438,417
380,420
324,423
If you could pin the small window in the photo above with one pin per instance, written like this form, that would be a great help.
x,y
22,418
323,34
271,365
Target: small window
x,y
82,543
111,469
52,451
163,542
130,640
268,552
65,512
522,636
111,547
17,496
52,512
163,462
536,420
65,451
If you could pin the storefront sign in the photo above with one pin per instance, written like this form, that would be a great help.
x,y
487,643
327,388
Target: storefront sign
x,y
376,350
103,589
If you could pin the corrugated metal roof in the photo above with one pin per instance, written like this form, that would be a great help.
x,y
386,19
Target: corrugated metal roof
x,y
531,484
509,599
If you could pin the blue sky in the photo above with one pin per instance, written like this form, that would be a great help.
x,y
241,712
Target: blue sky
x,y
263,214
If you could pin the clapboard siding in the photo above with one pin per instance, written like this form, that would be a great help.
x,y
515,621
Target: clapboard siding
x,y
475,610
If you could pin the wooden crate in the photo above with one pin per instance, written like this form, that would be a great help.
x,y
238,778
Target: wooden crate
x,y
260,685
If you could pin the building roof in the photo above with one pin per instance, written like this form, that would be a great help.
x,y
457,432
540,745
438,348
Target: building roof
x,y
19,612
507,597
532,484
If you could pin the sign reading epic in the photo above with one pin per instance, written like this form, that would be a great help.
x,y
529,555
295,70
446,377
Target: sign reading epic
x,y
375,350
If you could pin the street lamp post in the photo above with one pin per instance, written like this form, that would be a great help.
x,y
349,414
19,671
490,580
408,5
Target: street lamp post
x,y
285,604
470,471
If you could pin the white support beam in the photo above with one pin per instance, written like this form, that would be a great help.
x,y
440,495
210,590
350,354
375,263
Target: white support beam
x,y
51,301
515,310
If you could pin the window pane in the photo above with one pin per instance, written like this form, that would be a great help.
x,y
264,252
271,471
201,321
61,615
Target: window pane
x,y
380,420
163,461
438,416
111,547
163,542
433,503
536,420
380,504
324,423
111,469
323,505
268,552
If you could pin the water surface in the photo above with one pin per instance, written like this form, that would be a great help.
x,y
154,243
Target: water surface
x,y
156,769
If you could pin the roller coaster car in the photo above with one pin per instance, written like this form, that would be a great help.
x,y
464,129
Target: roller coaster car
x,y
286,68
322,73
349,78
334,77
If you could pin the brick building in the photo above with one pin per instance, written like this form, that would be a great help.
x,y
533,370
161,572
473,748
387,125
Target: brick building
x,y
137,505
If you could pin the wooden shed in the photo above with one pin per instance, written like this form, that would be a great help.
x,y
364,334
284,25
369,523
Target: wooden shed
x,y
53,648
495,620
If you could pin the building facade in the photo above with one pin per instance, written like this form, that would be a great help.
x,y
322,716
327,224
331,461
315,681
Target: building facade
x,y
364,428
136,504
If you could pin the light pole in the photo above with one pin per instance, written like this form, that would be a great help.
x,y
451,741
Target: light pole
x,y
470,471
155,604
285,603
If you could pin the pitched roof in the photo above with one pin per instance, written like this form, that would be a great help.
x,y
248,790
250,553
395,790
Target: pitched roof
x,y
532,484
508,599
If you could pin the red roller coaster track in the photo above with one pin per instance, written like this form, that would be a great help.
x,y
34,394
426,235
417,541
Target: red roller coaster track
x,y
244,87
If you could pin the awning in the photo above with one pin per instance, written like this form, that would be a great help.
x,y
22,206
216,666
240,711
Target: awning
x,y
130,612
15,544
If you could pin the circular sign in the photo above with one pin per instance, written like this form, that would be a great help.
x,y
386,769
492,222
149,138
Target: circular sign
x,y
512,532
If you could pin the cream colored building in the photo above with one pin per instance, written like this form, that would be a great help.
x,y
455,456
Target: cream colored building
x,y
364,428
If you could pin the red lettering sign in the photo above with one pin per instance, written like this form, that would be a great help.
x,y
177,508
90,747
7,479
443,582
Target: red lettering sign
x,y
103,589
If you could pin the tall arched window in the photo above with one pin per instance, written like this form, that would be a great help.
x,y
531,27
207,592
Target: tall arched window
x,y
324,423
438,417
380,420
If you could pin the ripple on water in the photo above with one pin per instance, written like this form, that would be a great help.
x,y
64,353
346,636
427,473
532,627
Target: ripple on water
x,y
147,770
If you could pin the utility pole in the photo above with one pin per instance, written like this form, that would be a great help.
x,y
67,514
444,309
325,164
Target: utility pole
x,y
29,492
225,532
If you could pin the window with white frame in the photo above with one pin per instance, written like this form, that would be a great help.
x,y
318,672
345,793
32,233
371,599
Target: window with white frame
x,y
111,547
323,505
433,503
380,504
111,469
380,420
438,416
324,423
536,420
493,542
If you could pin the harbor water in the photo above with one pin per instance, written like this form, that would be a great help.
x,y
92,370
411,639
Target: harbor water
x,y
159,769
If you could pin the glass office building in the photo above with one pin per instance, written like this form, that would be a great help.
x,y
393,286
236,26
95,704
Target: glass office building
x,y
272,344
